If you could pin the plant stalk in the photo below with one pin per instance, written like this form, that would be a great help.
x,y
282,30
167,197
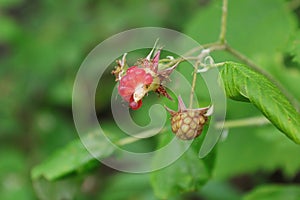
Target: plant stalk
x,y
193,84
252,121
222,37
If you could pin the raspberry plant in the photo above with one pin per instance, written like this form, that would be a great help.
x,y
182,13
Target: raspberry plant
x,y
244,81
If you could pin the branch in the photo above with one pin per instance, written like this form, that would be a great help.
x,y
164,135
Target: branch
x,y
242,57
222,36
137,137
193,84
252,121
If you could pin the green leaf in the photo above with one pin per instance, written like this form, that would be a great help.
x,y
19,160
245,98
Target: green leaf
x,y
73,158
244,84
274,192
187,174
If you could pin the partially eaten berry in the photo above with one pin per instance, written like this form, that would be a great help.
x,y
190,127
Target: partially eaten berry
x,y
138,80
134,85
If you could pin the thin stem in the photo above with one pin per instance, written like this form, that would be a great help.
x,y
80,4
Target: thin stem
x,y
216,65
247,61
217,47
142,135
213,47
128,140
193,84
223,22
252,121
242,57
198,48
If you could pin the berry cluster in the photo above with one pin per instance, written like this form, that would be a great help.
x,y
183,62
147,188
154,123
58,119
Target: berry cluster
x,y
136,81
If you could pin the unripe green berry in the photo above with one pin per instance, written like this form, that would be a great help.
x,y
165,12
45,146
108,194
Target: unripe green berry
x,y
187,124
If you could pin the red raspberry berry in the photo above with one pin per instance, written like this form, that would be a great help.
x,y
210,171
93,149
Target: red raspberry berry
x,y
135,105
138,80
133,86
131,70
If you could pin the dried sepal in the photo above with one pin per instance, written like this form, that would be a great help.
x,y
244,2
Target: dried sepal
x,y
120,68
161,90
165,73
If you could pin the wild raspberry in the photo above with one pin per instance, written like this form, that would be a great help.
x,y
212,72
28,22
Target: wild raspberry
x,y
134,85
138,80
186,123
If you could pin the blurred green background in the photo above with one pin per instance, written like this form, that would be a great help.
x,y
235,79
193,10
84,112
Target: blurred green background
x,y
42,44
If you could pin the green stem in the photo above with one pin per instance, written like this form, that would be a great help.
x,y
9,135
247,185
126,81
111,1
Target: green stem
x,y
212,47
142,135
252,121
242,57
198,48
222,37
193,84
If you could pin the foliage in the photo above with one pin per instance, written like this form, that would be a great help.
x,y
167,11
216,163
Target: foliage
x,y
188,173
73,158
42,45
244,84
